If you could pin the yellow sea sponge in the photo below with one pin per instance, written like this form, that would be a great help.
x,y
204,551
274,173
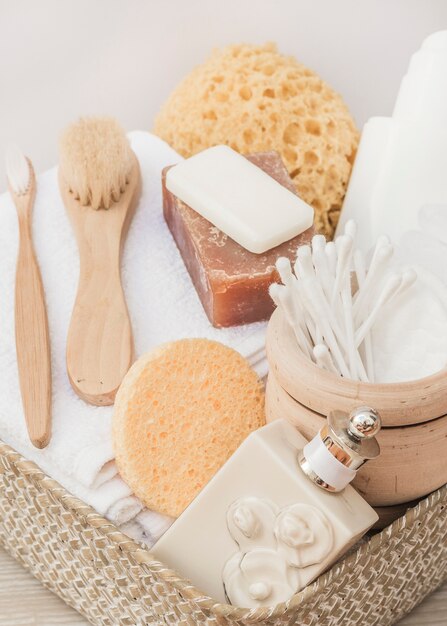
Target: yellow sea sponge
x,y
254,99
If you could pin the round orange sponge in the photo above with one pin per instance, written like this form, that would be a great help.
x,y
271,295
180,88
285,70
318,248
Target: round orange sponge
x,y
254,99
180,413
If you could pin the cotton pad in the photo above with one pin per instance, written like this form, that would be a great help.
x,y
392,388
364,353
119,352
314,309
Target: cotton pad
x,y
409,338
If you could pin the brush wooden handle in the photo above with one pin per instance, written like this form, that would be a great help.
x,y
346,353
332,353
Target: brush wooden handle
x,y
100,346
32,339
100,343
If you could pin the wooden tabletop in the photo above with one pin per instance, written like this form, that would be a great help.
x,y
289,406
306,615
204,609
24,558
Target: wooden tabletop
x,y
24,602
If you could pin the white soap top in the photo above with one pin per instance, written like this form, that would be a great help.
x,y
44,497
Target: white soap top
x,y
239,198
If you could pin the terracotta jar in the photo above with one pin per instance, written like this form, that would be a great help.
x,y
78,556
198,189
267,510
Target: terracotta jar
x,y
413,438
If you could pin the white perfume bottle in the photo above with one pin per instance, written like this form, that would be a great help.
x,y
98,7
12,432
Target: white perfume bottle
x,y
277,514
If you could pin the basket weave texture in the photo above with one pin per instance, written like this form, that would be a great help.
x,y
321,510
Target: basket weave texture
x,y
114,581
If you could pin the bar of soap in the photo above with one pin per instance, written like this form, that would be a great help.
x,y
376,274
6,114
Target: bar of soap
x,y
231,281
239,198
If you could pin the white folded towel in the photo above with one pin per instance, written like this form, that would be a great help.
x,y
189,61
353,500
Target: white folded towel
x,y
163,306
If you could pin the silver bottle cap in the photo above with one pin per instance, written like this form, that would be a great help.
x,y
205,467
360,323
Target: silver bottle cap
x,y
344,444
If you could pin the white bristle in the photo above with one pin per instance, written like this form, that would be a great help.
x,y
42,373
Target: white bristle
x,y
17,169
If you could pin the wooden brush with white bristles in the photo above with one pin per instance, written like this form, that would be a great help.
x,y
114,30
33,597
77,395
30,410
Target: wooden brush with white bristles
x,y
31,323
99,179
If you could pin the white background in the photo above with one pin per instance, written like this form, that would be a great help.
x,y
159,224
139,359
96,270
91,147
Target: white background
x,y
60,59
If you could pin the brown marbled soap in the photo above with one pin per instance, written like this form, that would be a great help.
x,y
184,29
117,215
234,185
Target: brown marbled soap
x,y
232,283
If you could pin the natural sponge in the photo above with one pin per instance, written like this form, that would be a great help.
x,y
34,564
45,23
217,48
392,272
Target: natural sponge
x,y
255,99
180,413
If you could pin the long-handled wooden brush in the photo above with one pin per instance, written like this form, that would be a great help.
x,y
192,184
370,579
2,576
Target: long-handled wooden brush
x,y
99,179
31,323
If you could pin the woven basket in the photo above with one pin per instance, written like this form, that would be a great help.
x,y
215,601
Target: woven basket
x,y
112,580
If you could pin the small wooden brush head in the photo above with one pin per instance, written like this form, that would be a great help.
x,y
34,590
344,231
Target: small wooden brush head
x,y
100,183
96,160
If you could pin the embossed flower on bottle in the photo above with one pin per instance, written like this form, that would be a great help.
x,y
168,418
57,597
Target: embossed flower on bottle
x,y
258,577
304,535
250,521
274,545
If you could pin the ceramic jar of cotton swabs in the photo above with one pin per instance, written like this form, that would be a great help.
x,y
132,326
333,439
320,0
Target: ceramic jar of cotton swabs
x,y
333,343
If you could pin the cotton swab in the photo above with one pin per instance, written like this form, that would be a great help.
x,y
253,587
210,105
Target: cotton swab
x,y
343,247
356,367
285,271
359,267
323,358
331,254
318,243
373,278
303,265
310,323
319,262
409,277
316,305
322,272
388,291
351,229
342,289
281,297
306,271
332,327
289,280
304,268
346,300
